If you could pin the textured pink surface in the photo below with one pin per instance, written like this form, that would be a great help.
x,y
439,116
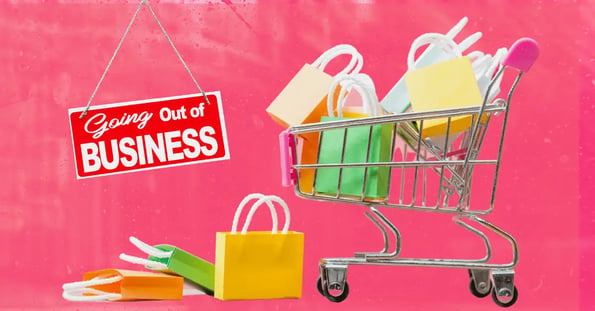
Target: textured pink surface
x,y
54,227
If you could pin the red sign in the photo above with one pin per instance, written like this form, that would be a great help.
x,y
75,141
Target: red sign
x,y
148,134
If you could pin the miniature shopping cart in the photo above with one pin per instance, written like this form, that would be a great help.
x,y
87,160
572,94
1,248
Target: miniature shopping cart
x,y
433,174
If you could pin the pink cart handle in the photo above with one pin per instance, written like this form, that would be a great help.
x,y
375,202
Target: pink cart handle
x,y
522,54
287,149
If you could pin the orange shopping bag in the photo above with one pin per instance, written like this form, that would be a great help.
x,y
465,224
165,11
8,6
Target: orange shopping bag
x,y
174,260
117,284
303,100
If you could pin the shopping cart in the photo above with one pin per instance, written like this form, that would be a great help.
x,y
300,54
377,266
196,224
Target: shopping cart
x,y
425,174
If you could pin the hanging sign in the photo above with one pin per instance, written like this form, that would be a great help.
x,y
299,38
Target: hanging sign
x,y
148,134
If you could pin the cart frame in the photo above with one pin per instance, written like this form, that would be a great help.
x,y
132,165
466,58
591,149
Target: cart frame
x,y
454,163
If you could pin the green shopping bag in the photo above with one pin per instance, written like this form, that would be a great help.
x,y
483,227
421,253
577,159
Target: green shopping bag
x,y
170,259
349,181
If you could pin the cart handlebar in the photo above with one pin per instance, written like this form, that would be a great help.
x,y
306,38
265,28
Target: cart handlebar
x,y
522,54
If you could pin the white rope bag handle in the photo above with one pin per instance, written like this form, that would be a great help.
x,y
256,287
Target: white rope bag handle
x,y
268,199
362,83
248,198
484,66
469,41
498,57
496,63
440,40
189,287
481,65
149,250
425,59
75,291
355,64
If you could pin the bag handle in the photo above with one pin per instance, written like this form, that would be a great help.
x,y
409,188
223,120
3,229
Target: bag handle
x,y
431,54
469,41
481,65
498,57
362,83
355,64
475,55
440,40
367,90
76,291
268,199
149,250
248,198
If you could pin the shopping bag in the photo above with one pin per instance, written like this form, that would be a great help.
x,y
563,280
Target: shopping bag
x,y
397,99
170,259
303,100
259,264
484,66
118,284
448,84
361,144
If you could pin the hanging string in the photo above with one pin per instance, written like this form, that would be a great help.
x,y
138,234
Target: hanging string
x,y
84,113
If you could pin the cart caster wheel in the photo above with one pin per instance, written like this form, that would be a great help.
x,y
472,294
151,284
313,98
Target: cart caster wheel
x,y
319,286
476,293
338,298
509,302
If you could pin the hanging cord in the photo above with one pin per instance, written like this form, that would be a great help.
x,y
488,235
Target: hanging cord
x,y
84,113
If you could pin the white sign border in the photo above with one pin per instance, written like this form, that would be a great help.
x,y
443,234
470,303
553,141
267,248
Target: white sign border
x,y
217,94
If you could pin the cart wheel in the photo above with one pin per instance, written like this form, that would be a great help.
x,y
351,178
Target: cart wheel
x,y
324,291
513,299
319,286
476,293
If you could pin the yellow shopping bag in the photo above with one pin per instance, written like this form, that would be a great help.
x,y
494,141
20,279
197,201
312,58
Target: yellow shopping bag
x,y
447,84
259,264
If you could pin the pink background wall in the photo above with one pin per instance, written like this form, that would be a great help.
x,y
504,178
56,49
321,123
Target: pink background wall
x,y
54,227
